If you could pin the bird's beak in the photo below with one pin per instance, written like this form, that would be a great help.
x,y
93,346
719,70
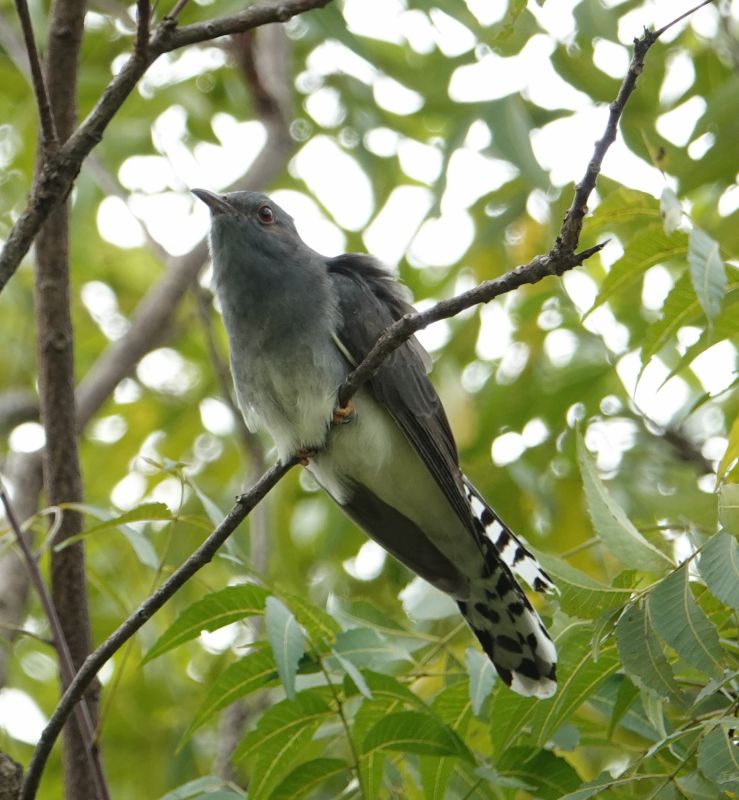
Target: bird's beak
x,y
215,202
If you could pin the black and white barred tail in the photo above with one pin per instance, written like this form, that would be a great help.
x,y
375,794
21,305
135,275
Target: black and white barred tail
x,y
499,613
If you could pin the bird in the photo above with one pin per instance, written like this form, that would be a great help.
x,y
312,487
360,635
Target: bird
x,y
298,323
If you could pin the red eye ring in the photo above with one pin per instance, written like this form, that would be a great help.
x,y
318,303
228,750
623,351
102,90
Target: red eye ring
x,y
265,214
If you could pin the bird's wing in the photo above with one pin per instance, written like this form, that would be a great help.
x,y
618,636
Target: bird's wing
x,y
370,299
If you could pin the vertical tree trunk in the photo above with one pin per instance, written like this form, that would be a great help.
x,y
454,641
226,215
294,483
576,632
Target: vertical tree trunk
x,y
62,476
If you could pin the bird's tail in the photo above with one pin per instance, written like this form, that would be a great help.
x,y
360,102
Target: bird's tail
x,y
500,614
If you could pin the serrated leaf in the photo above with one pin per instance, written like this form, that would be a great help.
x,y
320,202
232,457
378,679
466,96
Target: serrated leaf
x,y
287,640
320,626
308,777
606,781
581,595
284,723
482,678
623,207
452,706
718,757
415,732
646,249
212,612
611,523
371,765
719,567
680,308
641,655
356,676
215,514
366,648
386,687
732,450
671,211
728,506
679,621
195,788
251,672
550,775
706,272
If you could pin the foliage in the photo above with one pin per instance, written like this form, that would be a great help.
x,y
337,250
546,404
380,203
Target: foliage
x,y
635,519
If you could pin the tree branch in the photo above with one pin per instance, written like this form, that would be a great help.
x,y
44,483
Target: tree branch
x,y
58,174
48,128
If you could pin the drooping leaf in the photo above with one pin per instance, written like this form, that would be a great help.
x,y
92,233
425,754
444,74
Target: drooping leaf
x,y
253,671
581,595
679,621
611,523
706,272
671,211
732,450
353,672
287,640
719,567
415,732
642,657
549,775
718,758
452,706
648,248
320,626
680,308
212,612
285,723
728,506
367,648
482,678
308,777
196,788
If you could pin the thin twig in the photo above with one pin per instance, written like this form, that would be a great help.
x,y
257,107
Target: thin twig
x,y
49,137
92,664
81,710
175,12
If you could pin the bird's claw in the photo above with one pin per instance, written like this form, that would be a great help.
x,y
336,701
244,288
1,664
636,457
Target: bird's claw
x,y
304,455
344,414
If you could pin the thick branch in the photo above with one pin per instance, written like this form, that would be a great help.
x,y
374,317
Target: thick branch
x,y
58,175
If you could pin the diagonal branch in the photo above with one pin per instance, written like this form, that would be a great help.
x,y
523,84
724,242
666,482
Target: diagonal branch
x,y
49,139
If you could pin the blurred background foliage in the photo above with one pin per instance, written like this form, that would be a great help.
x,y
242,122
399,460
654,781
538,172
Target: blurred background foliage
x,y
519,378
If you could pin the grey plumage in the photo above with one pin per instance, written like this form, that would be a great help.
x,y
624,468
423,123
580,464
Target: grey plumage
x,y
298,322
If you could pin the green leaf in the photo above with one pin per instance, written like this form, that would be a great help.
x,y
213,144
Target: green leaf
x,y
215,514
718,757
320,626
308,777
679,621
251,672
356,676
366,648
642,656
719,567
611,523
622,208
706,272
482,678
728,506
415,732
646,249
212,612
452,706
581,595
732,450
285,724
671,211
287,640
680,308
606,781
550,775
195,789
371,765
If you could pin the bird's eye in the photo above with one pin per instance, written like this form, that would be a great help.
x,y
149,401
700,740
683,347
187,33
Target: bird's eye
x,y
265,215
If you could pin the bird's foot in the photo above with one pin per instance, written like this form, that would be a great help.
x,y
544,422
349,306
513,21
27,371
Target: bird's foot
x,y
343,414
305,454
